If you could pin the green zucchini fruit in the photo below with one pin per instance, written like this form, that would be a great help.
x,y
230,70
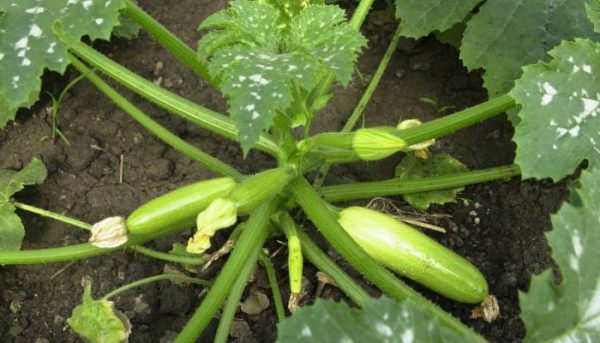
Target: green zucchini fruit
x,y
178,208
415,255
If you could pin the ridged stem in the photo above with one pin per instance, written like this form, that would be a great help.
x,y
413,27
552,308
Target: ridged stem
x,y
246,251
167,39
155,128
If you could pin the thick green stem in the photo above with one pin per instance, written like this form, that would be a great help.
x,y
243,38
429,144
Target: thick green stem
x,y
325,264
326,221
272,277
141,282
364,100
155,128
232,303
172,102
167,39
456,121
367,190
53,215
246,251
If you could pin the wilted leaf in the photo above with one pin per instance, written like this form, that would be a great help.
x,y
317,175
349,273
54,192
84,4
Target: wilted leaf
x,y
569,311
560,102
437,164
11,228
97,321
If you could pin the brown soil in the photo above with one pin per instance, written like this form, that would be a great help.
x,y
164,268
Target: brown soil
x,y
499,226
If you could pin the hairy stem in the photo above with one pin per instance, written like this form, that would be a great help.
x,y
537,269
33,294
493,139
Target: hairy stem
x,y
364,100
232,303
159,277
53,215
167,39
326,221
172,102
245,252
272,277
325,264
367,190
155,128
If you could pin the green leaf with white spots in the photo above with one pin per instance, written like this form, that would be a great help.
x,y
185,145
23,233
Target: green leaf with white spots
x,y
506,35
438,164
28,45
560,111
259,85
569,311
267,69
380,320
322,32
11,228
98,321
420,18
291,8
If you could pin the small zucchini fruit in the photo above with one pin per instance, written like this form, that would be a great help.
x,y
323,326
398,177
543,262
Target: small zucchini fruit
x,y
179,208
415,255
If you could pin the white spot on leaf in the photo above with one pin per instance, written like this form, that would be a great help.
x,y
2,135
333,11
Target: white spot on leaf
x,y
306,332
408,336
383,329
35,31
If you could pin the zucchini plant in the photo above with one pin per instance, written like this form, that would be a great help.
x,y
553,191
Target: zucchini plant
x,y
275,61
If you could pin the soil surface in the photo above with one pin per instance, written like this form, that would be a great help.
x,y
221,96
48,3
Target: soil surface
x,y
113,165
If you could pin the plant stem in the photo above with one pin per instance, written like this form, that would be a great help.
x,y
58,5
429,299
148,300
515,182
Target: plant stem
x,y
367,190
159,255
364,100
155,128
53,215
172,102
167,39
245,252
141,282
272,277
344,281
456,121
232,303
326,221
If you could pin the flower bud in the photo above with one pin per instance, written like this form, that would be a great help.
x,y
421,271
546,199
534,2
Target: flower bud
x,y
376,143
220,214
109,233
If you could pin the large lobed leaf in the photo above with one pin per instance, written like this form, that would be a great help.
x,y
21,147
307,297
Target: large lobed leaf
x,y
380,320
420,18
11,228
506,35
28,45
263,66
560,107
569,311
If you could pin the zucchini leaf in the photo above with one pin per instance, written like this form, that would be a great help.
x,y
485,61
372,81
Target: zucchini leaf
x,y
593,12
98,321
28,45
412,167
560,107
420,18
264,69
11,228
569,311
380,320
501,36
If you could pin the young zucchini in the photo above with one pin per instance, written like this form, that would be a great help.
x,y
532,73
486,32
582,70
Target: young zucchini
x,y
414,255
178,208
